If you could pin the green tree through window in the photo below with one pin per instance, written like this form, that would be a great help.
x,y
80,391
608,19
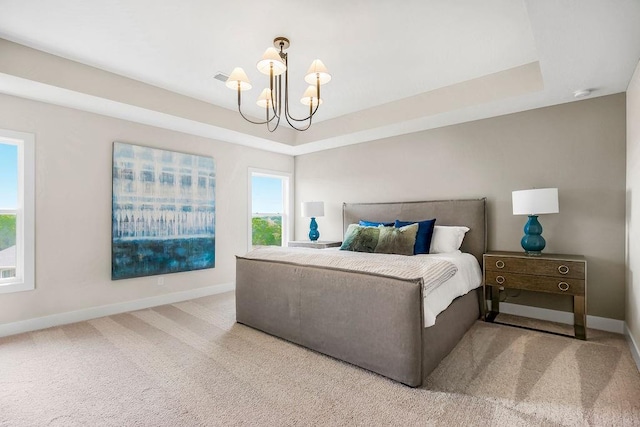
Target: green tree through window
x,y
7,231
267,230
269,208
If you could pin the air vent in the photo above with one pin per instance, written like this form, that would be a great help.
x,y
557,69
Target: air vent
x,y
221,76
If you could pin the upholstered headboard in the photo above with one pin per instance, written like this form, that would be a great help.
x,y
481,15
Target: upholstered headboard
x,y
471,213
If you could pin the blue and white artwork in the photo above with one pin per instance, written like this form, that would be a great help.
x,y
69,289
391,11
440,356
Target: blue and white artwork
x,y
163,212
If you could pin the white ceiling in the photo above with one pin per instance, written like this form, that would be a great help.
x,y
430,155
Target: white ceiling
x,y
378,52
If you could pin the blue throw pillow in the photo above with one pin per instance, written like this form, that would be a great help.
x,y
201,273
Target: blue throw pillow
x,y
423,238
374,223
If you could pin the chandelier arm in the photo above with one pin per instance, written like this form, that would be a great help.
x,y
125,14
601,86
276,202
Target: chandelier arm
x,y
284,57
277,122
267,114
255,123
286,103
286,116
311,113
278,104
269,120
248,119
274,102
297,128
242,114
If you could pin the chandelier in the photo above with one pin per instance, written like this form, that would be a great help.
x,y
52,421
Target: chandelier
x,y
274,64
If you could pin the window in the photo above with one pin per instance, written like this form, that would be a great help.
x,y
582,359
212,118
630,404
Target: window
x,y
269,207
17,193
166,177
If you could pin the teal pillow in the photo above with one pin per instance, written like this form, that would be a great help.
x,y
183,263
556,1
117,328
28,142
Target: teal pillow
x,y
399,241
360,239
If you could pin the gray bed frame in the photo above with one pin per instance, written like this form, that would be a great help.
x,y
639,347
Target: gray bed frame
x,y
372,321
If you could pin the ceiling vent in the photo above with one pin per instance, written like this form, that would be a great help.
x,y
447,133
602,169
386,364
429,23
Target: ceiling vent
x,y
221,76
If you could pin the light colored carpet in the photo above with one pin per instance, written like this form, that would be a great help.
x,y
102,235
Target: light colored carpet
x,y
190,364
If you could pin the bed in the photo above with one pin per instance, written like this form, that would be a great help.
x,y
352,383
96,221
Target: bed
x,y
374,321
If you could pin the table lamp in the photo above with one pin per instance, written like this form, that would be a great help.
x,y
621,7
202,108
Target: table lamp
x,y
313,210
533,203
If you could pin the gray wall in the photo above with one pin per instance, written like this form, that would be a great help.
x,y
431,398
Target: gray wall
x,y
578,147
73,207
633,207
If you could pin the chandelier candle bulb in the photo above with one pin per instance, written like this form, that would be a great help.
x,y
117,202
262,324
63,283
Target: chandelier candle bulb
x,y
271,58
310,96
238,80
264,100
317,72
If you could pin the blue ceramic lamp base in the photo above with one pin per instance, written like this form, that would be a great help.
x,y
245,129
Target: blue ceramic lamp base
x,y
314,234
532,242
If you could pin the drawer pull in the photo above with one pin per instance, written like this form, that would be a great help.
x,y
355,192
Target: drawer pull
x,y
563,269
563,286
500,263
499,280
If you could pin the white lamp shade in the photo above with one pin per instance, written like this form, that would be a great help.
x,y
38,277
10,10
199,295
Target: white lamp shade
x,y
312,209
264,100
315,71
238,76
271,56
535,202
310,96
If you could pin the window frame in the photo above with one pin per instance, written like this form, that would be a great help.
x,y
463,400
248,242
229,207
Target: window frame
x,y
25,213
287,201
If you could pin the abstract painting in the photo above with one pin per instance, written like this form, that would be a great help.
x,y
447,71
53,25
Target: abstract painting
x,y
163,212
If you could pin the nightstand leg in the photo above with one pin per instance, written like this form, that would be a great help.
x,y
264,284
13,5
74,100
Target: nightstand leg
x,y
495,304
580,317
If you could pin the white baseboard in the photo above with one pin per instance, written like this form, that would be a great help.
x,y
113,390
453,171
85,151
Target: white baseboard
x,y
633,345
108,310
593,322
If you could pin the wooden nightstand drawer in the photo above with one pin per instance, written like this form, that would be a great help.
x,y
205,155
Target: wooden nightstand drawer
x,y
543,267
527,282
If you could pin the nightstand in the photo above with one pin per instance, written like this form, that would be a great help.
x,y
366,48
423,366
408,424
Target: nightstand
x,y
549,273
318,244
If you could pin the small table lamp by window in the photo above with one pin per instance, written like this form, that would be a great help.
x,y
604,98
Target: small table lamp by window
x,y
313,210
533,203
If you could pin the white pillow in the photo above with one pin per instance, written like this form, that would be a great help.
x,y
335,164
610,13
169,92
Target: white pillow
x,y
447,238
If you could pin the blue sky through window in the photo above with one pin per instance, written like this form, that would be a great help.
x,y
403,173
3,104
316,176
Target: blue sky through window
x,y
8,176
266,194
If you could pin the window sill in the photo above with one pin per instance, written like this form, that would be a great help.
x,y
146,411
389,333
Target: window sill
x,y
16,286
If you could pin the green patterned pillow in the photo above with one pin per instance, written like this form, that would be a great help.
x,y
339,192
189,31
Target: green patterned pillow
x,y
360,239
398,241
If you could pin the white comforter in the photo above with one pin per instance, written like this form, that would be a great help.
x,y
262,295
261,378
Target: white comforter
x,y
445,276
468,277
